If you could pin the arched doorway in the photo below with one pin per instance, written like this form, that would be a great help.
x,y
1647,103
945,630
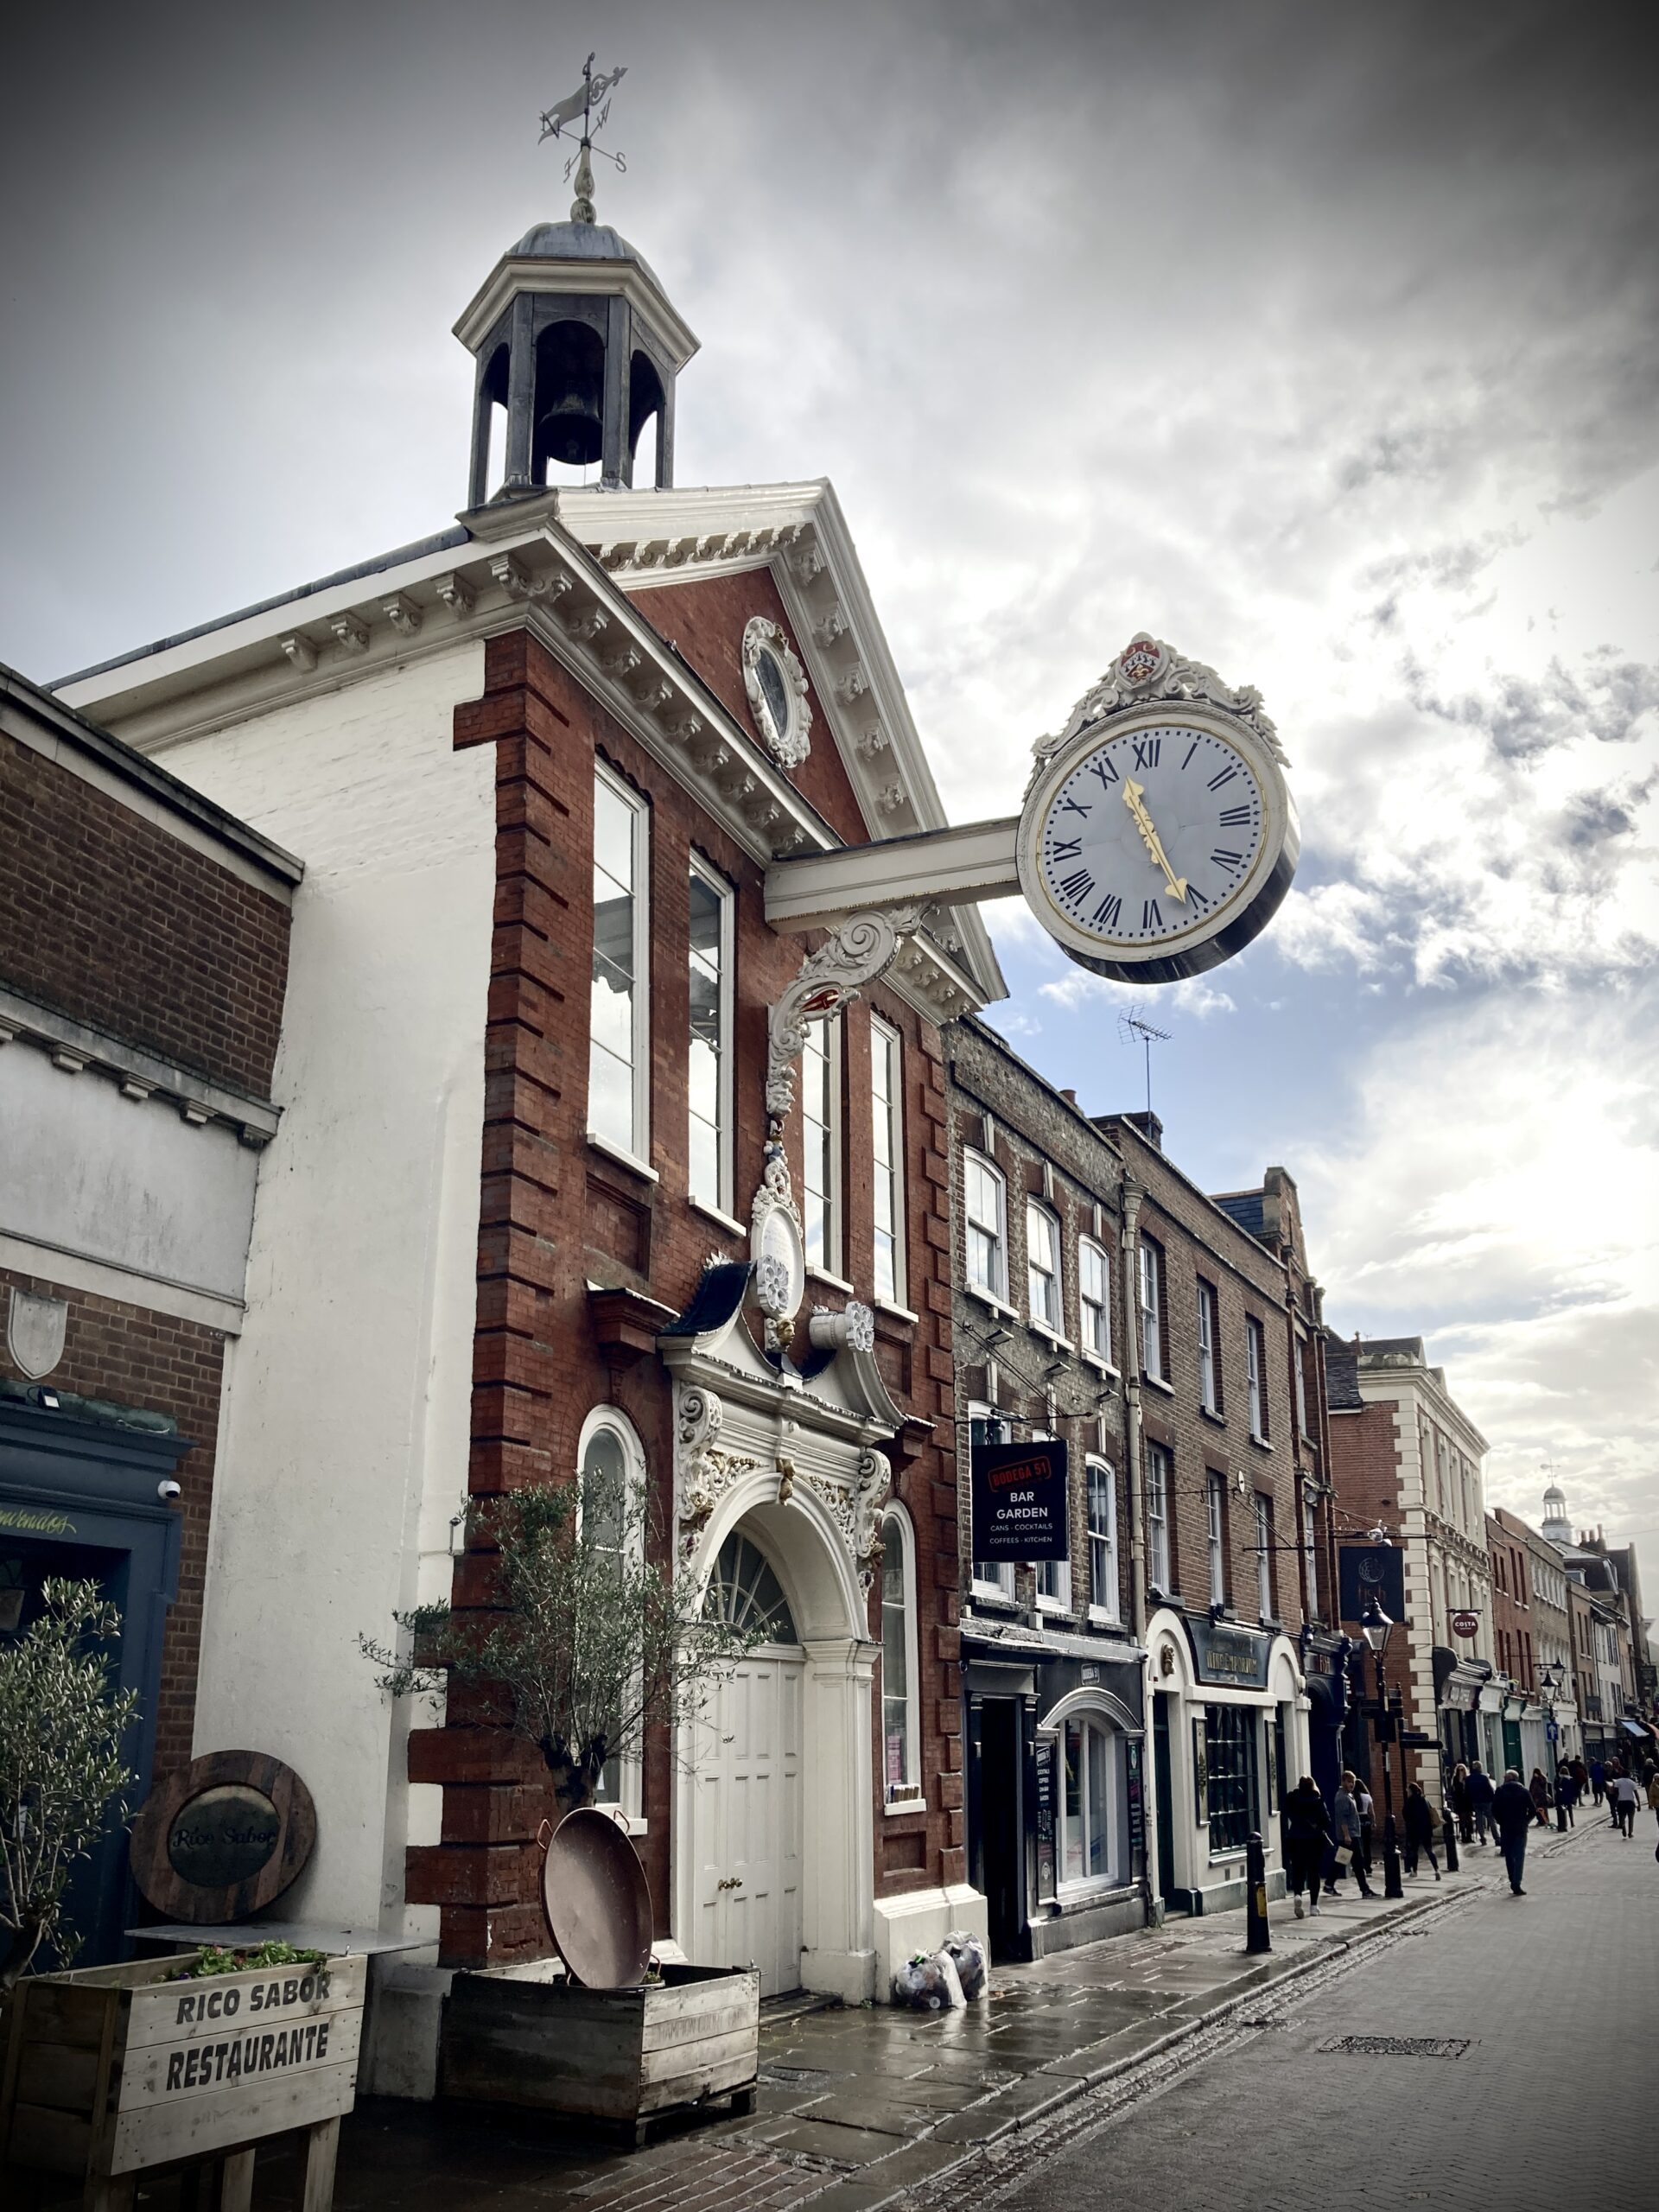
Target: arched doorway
x,y
747,1813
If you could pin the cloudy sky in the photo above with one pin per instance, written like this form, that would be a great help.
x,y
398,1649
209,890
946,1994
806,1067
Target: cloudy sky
x,y
1324,342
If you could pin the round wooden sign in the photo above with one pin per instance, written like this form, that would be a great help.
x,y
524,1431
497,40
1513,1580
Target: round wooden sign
x,y
222,1838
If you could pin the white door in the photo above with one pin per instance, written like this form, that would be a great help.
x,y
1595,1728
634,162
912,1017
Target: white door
x,y
746,1826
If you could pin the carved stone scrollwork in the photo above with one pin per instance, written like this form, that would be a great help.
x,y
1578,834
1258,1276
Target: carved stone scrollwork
x,y
456,593
874,1488
1147,670
785,722
859,951
704,1472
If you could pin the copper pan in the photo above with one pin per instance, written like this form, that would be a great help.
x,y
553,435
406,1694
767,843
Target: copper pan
x,y
596,1901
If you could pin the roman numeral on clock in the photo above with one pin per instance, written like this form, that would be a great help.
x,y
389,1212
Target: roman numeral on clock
x,y
1147,751
1104,770
1077,886
1222,858
1107,912
1150,917
1190,750
1064,849
1235,817
1071,806
1225,777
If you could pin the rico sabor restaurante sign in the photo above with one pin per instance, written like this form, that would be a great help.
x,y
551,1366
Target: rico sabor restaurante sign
x,y
1019,1492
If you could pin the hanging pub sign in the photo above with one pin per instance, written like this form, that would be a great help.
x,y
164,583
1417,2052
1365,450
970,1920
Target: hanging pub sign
x,y
1019,1493
1368,1570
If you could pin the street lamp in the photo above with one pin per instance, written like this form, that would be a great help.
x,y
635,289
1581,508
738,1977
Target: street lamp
x,y
1376,1627
1551,1677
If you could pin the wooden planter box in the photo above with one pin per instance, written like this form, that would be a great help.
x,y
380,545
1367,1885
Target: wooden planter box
x,y
516,2036
114,2071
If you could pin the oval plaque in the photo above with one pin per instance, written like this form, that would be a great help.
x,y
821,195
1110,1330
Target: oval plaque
x,y
223,1837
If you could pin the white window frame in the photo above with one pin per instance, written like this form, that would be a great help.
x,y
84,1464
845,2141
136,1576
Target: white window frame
x,y
1101,1540
1160,1563
1067,1891
888,1047
1299,1353
1150,1271
1215,1506
905,1797
1255,1361
997,1292
828,1031
1209,1369
1046,1280
1263,1510
1095,1343
989,1577
639,1151
1053,1576
708,875
627,1807
1310,1553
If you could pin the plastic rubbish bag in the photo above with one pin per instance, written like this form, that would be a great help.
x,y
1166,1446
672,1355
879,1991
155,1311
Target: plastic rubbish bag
x,y
929,1984
967,1954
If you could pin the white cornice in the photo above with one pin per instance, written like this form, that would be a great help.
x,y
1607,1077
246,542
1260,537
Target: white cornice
x,y
529,272
75,1046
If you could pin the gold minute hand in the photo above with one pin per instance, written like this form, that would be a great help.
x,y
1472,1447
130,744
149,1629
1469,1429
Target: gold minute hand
x,y
1135,800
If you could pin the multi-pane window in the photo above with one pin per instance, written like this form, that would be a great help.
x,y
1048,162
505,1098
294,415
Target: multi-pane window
x,y
1209,1363
1094,1300
897,1692
1299,1369
609,1508
1264,1555
619,1053
984,1201
1255,1369
1043,1265
1087,1761
820,1145
994,1576
708,1073
1158,1489
1309,1562
1230,1769
1151,1274
1053,1575
887,1159
1102,1505
1215,1493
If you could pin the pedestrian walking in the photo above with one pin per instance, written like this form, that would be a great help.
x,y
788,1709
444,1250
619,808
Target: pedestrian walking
x,y
1612,1775
1458,1794
1566,1789
1512,1816
1652,1792
1345,1826
1422,1827
1538,1790
1598,1779
1481,1793
1307,1839
1622,1791
1367,1828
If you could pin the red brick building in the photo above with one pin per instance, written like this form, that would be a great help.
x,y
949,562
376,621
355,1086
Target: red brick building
x,y
523,1216
144,955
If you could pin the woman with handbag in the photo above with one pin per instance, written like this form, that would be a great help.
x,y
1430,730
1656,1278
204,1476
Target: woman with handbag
x,y
1344,1824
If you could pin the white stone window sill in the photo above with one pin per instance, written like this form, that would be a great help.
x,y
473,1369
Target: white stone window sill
x,y
1157,1382
621,1152
1235,1857
1100,1618
710,1212
1262,1443
1042,1329
1214,1414
984,1297
992,1593
1061,1606
1101,1366
895,1806
835,1282
898,1312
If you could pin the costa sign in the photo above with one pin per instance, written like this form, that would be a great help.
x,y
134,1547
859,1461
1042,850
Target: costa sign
x,y
1466,1623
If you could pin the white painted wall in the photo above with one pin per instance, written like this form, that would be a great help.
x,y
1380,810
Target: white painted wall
x,y
345,1431
128,1182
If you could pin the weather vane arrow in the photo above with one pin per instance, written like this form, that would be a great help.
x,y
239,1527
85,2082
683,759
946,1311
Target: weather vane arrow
x,y
564,115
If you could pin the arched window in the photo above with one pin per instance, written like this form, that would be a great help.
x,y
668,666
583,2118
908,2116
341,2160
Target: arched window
x,y
900,1755
610,1464
745,1592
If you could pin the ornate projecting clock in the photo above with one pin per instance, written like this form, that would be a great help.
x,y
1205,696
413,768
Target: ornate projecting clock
x,y
1158,836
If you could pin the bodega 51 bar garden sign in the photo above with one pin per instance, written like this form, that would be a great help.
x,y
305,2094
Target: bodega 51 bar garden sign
x,y
1020,1500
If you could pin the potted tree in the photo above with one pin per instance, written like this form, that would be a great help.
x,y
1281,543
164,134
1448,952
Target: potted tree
x,y
593,1643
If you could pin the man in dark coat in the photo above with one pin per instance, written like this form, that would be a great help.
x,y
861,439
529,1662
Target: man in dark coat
x,y
1513,1814
1480,1799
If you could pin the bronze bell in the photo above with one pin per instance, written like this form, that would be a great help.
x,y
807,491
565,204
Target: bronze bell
x,y
571,429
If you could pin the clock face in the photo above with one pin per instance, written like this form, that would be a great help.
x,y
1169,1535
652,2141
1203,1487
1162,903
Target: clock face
x,y
1157,848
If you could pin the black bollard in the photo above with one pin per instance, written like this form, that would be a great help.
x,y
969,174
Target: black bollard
x,y
1449,1837
1256,1937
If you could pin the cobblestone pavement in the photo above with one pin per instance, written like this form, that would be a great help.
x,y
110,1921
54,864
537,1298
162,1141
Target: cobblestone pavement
x,y
1481,2060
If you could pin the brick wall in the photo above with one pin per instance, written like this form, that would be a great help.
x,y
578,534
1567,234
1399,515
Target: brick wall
x,y
108,918
158,1364
558,1213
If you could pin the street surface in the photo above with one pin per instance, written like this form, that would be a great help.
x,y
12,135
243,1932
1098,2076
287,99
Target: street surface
x,y
1544,2009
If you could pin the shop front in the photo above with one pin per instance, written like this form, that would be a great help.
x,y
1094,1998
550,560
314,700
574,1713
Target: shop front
x,y
1229,1733
1466,1733
1055,1785
1324,1670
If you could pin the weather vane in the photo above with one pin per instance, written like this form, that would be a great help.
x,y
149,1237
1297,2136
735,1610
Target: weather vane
x,y
565,114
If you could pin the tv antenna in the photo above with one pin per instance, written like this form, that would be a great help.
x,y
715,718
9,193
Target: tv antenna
x,y
1135,1027
578,108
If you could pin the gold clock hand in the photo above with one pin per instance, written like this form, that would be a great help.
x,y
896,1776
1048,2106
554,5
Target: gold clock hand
x,y
1135,800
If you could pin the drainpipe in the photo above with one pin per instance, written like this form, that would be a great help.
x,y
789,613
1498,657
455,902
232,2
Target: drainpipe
x,y
1132,1194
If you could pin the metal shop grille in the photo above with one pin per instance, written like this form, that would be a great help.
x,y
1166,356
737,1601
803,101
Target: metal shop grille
x,y
1399,2046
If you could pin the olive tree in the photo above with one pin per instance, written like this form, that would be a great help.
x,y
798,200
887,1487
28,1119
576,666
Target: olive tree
x,y
62,1772
592,1643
